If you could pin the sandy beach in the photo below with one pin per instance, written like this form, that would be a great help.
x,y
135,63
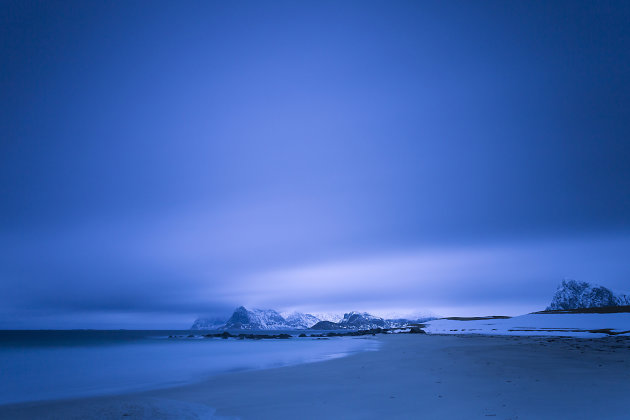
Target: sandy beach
x,y
411,377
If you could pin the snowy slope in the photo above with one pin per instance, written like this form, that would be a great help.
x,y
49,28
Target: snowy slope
x,y
298,320
256,319
209,323
328,316
362,321
570,325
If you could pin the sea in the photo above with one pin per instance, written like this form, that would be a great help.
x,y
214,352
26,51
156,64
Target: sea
x,y
48,365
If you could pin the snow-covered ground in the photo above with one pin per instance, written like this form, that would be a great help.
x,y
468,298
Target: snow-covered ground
x,y
568,325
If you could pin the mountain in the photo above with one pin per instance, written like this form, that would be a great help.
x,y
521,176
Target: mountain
x,y
364,321
326,325
573,294
300,321
256,319
328,316
215,323
268,319
353,321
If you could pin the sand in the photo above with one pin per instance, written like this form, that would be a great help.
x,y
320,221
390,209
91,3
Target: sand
x,y
411,377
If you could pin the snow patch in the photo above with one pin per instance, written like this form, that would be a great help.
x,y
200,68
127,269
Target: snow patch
x,y
568,325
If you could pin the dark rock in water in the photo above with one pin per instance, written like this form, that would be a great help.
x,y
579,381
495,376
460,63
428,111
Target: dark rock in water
x,y
283,336
255,336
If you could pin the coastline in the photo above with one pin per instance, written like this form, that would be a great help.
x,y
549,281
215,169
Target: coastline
x,y
411,376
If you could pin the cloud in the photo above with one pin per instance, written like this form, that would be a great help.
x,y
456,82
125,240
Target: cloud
x,y
510,276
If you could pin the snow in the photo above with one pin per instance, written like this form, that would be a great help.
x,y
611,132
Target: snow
x,y
299,320
568,325
208,323
328,316
269,319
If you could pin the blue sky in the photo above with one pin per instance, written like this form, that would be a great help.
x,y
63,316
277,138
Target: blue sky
x,y
160,161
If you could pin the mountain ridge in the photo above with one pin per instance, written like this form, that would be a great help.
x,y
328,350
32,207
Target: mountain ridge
x,y
269,319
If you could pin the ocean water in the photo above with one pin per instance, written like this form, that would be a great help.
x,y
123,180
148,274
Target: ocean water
x,y
44,365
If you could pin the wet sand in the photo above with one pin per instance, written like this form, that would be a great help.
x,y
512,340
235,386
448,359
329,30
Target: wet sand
x,y
411,377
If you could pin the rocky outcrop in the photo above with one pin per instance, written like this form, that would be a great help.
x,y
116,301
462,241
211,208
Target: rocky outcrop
x,y
572,294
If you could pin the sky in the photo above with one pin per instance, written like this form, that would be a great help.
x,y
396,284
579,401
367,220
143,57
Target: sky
x,y
161,160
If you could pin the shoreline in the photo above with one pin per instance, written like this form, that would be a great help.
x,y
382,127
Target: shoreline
x,y
410,376
81,369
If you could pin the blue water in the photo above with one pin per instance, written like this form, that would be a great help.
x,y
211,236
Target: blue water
x,y
43,365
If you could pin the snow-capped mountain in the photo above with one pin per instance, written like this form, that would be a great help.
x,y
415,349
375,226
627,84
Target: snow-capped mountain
x,y
364,321
328,316
298,320
268,319
573,294
353,321
209,323
256,319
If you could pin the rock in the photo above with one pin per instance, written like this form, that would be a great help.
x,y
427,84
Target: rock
x,y
573,294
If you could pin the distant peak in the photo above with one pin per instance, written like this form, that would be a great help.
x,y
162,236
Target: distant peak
x,y
573,294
